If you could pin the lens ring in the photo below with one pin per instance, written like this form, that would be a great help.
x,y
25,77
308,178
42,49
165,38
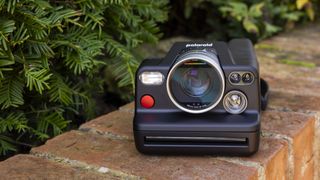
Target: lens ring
x,y
211,59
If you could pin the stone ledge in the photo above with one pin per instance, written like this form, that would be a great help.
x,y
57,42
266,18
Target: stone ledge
x,y
31,167
121,155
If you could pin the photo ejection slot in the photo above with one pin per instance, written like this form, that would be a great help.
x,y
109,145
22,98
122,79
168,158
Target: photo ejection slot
x,y
189,141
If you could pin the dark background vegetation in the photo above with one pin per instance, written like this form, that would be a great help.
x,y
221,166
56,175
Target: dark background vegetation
x,y
65,62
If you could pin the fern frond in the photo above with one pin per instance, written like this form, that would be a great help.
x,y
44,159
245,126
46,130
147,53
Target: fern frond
x,y
60,91
42,4
149,32
11,92
5,65
39,135
53,120
40,48
20,35
80,98
59,14
116,49
37,79
11,5
93,19
5,145
6,27
83,48
14,121
77,63
124,71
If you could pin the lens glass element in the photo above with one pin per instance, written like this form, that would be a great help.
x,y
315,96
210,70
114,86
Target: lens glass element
x,y
196,81
195,84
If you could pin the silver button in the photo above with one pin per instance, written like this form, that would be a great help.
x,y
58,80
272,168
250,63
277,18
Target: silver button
x,y
235,102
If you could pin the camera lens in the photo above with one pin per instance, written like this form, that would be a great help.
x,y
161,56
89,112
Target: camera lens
x,y
195,82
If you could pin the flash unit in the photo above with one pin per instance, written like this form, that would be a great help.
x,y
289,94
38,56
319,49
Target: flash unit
x,y
151,78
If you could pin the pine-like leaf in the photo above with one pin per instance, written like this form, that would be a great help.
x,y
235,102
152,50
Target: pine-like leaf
x,y
14,121
60,91
11,92
6,27
20,35
37,79
5,145
53,120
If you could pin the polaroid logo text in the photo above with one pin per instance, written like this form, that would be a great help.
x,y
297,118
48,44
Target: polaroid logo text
x,y
200,45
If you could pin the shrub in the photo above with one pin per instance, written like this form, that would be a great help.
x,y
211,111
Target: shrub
x,y
257,19
52,55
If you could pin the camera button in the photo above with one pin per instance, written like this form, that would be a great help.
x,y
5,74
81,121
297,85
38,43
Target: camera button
x,y
147,101
235,78
247,78
235,102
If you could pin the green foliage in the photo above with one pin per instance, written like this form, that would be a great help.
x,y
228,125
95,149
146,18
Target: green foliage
x,y
244,14
52,54
134,24
257,19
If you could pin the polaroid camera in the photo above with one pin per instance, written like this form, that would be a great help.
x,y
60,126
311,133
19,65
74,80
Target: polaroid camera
x,y
201,98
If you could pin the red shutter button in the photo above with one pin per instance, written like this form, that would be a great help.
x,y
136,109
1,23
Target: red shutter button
x,y
147,101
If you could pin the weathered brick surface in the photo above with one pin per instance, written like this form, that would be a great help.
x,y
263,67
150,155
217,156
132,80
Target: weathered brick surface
x,y
127,108
317,147
30,167
295,88
292,86
300,43
121,155
289,102
113,124
271,159
298,130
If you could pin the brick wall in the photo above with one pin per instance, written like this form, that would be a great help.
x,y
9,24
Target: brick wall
x,y
290,140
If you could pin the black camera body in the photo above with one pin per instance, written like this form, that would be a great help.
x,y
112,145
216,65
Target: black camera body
x,y
201,98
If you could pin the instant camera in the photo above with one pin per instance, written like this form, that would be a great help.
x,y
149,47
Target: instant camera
x,y
201,98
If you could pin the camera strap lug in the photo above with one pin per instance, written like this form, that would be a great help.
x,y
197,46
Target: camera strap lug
x,y
264,94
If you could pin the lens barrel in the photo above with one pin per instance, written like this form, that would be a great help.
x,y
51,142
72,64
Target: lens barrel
x,y
195,82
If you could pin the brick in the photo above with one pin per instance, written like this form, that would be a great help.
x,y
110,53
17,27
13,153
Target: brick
x,y
303,151
289,93
317,147
298,129
127,108
121,155
270,160
268,49
308,171
292,102
303,40
30,167
272,156
289,124
117,123
293,86
270,66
